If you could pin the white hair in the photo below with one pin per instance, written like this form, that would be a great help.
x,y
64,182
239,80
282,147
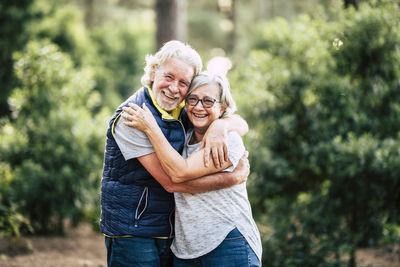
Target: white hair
x,y
208,78
169,50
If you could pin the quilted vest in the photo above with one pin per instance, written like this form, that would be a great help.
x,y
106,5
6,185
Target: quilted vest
x,y
132,201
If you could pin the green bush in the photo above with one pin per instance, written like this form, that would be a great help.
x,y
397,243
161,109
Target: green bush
x,y
322,104
14,18
53,145
66,28
120,50
12,223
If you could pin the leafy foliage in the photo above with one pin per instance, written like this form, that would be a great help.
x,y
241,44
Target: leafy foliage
x,y
52,142
323,108
53,145
120,60
64,27
11,220
13,20
320,94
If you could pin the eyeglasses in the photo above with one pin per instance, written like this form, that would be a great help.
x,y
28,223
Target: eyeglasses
x,y
207,102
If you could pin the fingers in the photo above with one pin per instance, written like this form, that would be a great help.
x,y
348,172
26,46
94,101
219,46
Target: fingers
x,y
127,116
128,110
221,156
244,160
129,123
134,106
132,109
132,113
215,157
206,155
226,156
146,109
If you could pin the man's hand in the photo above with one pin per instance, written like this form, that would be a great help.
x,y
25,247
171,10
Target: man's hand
x,y
242,170
214,144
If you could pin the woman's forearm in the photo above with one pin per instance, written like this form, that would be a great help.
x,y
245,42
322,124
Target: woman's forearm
x,y
177,167
172,162
208,183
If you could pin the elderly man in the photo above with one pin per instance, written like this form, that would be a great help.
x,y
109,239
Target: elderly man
x,y
137,214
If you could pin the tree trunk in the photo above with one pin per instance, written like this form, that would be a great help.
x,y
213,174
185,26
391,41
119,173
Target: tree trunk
x,y
348,3
89,13
272,8
171,24
233,33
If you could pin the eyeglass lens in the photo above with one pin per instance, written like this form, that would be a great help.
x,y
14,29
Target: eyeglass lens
x,y
207,102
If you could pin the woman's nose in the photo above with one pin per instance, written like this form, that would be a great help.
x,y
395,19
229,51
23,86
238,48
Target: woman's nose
x,y
199,105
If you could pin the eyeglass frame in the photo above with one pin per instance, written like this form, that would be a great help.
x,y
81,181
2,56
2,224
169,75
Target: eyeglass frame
x,y
201,100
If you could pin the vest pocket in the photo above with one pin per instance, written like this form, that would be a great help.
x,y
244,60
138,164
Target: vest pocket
x,y
142,205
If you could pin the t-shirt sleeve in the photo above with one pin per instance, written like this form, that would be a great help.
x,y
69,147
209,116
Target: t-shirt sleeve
x,y
236,150
132,142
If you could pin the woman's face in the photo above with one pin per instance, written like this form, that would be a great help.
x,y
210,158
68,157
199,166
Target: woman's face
x,y
200,116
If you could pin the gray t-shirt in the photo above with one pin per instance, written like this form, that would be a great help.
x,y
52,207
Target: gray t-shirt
x,y
202,221
132,142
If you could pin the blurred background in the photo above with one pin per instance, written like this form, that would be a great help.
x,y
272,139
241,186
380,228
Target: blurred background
x,y
318,82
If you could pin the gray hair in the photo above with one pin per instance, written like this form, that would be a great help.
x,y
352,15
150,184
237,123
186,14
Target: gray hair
x,y
171,49
226,99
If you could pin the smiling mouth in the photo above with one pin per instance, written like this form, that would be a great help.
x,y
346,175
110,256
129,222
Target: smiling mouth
x,y
172,98
200,116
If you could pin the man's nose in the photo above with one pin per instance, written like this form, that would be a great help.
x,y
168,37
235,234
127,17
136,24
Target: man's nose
x,y
174,87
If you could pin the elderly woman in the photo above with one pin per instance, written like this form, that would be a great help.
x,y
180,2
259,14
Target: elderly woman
x,y
215,228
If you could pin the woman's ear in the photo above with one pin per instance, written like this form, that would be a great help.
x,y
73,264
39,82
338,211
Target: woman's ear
x,y
222,111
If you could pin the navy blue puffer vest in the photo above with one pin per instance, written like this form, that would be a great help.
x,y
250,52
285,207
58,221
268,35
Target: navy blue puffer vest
x,y
132,201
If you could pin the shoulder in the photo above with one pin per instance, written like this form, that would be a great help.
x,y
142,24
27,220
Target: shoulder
x,y
120,129
138,97
234,139
236,149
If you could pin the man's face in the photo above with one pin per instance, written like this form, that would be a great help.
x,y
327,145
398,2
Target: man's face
x,y
170,82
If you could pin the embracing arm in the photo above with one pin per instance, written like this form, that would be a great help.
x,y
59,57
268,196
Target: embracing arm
x,y
235,123
214,140
203,184
152,164
176,167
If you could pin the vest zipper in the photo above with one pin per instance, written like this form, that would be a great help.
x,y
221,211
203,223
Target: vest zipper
x,y
184,131
145,194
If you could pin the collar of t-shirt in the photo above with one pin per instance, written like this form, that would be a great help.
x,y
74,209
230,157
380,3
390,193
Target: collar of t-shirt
x,y
174,114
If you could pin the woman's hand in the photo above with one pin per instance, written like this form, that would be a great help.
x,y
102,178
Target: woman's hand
x,y
140,118
214,143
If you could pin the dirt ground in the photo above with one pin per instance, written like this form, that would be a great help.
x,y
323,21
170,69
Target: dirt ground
x,y
83,247
379,257
80,247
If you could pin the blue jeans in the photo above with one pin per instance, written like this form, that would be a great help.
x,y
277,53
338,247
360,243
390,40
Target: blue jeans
x,y
234,251
138,251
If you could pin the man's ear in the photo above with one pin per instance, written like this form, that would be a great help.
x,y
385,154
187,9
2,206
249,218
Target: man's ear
x,y
152,74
